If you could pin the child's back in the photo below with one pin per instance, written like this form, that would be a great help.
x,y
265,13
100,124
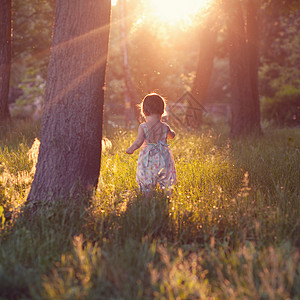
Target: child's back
x,y
156,131
155,163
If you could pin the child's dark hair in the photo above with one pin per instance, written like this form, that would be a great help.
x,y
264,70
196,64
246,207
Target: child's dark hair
x,y
153,104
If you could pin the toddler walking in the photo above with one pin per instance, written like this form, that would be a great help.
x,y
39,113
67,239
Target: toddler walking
x,y
155,162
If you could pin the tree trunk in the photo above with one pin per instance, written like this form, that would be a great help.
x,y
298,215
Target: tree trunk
x,y
5,58
70,151
208,42
130,95
252,27
244,92
127,102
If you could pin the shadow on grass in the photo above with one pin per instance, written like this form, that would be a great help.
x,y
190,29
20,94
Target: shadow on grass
x,y
30,247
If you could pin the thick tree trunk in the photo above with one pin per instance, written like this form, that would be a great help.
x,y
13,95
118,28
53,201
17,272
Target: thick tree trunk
x,y
5,58
244,92
239,76
208,42
70,150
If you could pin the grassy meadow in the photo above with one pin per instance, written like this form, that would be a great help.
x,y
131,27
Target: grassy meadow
x,y
231,229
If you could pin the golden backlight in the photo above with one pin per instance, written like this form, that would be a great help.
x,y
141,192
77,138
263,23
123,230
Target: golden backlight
x,y
175,10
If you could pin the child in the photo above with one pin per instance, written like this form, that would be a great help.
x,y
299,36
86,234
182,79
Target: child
x,y
155,163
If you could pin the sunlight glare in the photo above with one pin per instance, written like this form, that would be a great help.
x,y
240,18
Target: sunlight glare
x,y
175,10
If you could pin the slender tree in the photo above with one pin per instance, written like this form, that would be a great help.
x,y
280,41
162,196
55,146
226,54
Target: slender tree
x,y
252,36
243,56
71,133
207,50
130,95
5,57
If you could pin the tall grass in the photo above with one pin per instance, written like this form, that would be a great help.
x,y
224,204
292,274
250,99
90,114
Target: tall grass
x,y
230,230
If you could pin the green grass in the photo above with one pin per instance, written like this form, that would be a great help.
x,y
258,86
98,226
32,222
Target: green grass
x,y
231,229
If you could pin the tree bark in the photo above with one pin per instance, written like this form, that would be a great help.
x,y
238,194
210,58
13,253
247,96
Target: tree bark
x,y
70,150
207,50
5,58
243,73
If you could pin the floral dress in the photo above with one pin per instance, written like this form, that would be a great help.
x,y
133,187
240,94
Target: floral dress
x,y
155,163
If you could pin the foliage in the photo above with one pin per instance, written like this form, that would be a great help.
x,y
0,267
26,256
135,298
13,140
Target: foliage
x,y
32,34
229,231
279,60
32,29
284,110
29,104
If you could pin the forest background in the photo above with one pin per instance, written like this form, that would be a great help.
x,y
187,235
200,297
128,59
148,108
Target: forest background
x,y
162,57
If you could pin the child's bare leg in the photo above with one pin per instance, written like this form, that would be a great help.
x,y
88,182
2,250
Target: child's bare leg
x,y
147,192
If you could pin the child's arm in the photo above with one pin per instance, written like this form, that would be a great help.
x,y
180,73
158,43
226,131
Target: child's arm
x,y
138,142
171,134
